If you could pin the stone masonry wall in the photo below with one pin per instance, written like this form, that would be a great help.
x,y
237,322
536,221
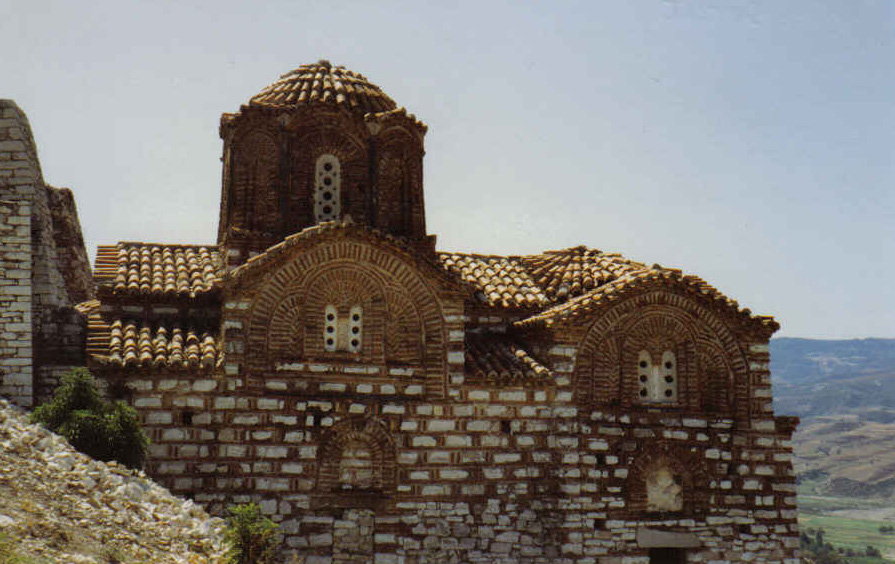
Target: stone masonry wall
x,y
53,277
516,474
16,347
512,475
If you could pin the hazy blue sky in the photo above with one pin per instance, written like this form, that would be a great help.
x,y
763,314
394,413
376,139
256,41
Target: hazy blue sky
x,y
749,142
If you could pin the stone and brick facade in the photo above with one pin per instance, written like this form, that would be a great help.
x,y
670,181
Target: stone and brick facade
x,y
385,402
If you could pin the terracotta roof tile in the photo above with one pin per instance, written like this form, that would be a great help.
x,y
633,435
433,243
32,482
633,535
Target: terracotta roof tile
x,y
495,358
159,270
572,272
634,280
324,83
131,344
88,307
542,280
502,281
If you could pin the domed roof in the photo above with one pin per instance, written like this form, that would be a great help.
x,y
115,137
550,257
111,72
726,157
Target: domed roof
x,y
321,82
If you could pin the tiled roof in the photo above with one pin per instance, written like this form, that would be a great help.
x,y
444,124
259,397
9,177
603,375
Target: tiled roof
x,y
158,270
496,359
503,281
345,227
88,307
138,344
537,281
324,83
634,280
571,272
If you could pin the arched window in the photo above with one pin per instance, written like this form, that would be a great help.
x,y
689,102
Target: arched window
x,y
658,382
343,332
327,188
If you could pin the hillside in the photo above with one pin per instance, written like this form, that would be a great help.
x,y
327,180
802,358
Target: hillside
x,y
844,391
818,377
58,505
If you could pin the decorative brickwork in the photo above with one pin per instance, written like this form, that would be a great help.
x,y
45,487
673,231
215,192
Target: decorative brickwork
x,y
388,404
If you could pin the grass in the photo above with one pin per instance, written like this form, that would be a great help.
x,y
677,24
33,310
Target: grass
x,y
847,532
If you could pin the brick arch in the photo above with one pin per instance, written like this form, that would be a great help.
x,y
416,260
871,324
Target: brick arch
x,y
682,461
399,181
282,319
344,285
370,432
305,149
719,378
657,330
600,375
254,204
405,338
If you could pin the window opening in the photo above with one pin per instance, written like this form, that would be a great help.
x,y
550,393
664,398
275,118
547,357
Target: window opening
x,y
327,188
343,332
657,383
330,328
355,328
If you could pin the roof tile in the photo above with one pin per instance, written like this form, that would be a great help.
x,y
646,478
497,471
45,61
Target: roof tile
x,y
502,281
572,272
158,270
324,83
133,344
632,280
537,281
495,358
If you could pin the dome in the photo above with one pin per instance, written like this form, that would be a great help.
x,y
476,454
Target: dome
x,y
321,82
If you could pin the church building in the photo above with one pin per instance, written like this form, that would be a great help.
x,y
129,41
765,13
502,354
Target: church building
x,y
386,402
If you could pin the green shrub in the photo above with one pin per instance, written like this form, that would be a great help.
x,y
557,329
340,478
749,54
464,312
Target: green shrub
x,y
252,538
103,430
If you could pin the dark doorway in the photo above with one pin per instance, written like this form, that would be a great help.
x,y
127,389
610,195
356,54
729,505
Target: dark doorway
x,y
667,556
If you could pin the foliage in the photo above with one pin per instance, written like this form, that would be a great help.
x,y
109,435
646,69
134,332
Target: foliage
x,y
816,551
103,430
252,538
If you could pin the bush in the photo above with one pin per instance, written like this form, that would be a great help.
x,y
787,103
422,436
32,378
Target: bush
x,y
100,429
252,538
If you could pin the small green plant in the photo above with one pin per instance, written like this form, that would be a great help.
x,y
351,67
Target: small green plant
x,y
252,538
104,430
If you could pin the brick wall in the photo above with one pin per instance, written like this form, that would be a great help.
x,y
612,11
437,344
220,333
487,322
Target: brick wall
x,y
442,469
511,475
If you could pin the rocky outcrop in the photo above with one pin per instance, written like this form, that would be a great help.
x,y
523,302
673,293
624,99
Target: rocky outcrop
x,y
59,505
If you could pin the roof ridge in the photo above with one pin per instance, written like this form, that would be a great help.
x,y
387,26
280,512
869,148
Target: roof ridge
x,y
587,300
345,225
153,244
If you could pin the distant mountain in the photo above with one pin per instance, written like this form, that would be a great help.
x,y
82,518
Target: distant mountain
x,y
798,360
819,377
844,391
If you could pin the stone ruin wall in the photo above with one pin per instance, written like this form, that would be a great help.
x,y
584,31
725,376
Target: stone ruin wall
x,y
517,474
44,269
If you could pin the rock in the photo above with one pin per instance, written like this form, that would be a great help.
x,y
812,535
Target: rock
x,y
82,511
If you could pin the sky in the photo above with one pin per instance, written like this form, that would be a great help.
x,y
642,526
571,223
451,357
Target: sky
x,y
749,142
